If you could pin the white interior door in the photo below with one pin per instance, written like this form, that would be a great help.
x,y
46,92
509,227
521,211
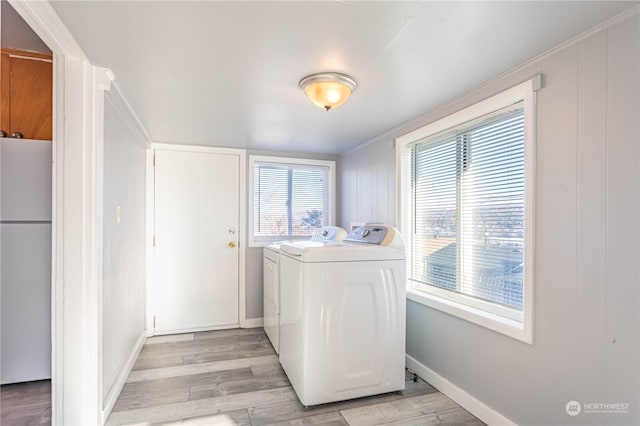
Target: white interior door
x,y
196,240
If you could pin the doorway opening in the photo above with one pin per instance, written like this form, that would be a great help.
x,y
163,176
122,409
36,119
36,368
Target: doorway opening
x,y
26,149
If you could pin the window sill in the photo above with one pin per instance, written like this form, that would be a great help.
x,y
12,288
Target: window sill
x,y
497,323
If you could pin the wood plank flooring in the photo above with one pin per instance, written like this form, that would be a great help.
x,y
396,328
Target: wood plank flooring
x,y
26,403
231,377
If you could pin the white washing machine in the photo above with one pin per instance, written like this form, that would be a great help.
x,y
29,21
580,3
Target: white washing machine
x,y
271,282
342,315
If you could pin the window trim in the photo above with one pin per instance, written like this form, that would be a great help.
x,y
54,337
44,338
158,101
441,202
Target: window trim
x,y
289,161
519,326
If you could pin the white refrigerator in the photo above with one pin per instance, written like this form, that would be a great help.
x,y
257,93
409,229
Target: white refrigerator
x,y
25,260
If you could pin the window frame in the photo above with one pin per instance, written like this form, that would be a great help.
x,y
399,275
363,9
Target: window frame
x,y
504,320
263,241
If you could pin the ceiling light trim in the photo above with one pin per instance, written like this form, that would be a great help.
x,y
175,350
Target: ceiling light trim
x,y
333,77
318,88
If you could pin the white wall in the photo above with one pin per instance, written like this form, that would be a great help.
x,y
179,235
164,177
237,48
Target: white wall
x,y
253,292
124,243
587,300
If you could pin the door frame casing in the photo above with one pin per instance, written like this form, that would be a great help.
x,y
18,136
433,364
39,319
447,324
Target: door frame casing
x,y
242,226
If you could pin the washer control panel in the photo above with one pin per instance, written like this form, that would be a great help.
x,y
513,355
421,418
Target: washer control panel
x,y
329,233
369,234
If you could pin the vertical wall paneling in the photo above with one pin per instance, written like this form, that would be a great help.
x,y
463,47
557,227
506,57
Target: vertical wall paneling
x,y
368,182
365,188
622,212
382,192
586,296
374,190
556,235
592,252
353,201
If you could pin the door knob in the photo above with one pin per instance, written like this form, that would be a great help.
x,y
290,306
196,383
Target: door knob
x,y
18,135
232,244
3,134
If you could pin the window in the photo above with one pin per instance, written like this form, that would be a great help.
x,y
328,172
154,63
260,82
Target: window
x,y
290,197
466,212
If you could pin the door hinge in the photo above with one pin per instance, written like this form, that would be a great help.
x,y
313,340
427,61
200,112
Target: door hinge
x,y
154,159
154,321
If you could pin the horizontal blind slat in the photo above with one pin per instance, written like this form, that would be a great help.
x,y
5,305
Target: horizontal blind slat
x,y
279,188
468,210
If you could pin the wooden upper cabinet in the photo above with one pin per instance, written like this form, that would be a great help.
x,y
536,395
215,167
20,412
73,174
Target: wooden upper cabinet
x,y
26,98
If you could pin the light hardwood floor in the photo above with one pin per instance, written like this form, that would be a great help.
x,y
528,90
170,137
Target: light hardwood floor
x,y
26,403
232,377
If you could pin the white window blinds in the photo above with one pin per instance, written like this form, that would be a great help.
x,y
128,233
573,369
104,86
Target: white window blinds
x,y
288,200
468,210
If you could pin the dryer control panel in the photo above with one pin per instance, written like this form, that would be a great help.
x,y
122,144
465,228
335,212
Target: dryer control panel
x,y
370,234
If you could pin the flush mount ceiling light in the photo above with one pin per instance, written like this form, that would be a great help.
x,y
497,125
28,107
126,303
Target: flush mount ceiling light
x,y
328,90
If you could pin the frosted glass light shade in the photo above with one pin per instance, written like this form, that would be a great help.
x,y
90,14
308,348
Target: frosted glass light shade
x,y
328,90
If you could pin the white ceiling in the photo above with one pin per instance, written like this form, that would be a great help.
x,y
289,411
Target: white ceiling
x,y
226,73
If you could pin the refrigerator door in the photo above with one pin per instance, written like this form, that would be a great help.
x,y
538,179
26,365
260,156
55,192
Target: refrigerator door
x,y
25,315
25,180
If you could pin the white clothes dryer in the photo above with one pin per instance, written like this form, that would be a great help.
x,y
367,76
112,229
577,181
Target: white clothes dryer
x,y
342,315
271,281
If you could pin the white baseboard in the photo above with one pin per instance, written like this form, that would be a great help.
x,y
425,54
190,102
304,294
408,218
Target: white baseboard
x,y
458,395
193,329
251,323
114,392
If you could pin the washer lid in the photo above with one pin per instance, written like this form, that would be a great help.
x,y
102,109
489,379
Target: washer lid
x,y
322,234
312,251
